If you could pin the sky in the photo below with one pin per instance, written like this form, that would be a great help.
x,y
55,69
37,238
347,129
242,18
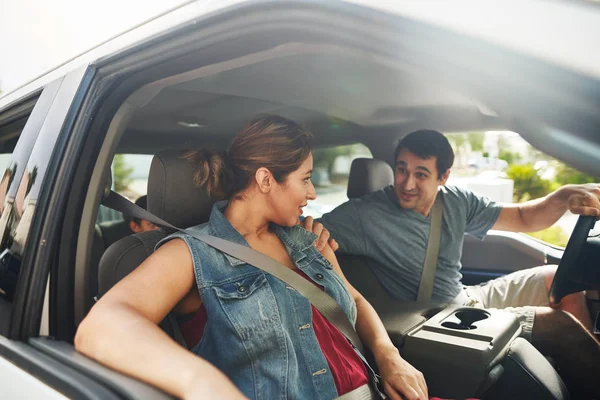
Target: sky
x,y
38,35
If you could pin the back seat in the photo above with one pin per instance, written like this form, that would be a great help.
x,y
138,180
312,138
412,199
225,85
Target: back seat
x,y
105,234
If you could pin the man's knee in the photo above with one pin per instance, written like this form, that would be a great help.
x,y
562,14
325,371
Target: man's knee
x,y
548,272
556,327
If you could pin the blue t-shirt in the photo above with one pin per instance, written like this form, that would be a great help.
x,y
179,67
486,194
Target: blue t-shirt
x,y
395,239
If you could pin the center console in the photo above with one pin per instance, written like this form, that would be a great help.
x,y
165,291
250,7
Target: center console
x,y
468,352
462,347
462,351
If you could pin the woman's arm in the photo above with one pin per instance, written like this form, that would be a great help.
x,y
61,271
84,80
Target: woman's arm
x,y
400,378
121,331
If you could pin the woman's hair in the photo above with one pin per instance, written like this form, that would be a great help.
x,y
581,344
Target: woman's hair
x,y
270,141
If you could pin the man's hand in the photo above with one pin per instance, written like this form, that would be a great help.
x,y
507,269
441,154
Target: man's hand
x,y
323,234
400,379
583,199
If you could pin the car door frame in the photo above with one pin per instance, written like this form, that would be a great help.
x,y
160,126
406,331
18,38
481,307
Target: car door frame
x,y
86,118
25,369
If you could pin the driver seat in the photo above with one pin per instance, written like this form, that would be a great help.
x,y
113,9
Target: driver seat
x,y
524,372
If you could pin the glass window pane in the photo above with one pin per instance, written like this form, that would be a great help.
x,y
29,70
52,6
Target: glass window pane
x,y
331,168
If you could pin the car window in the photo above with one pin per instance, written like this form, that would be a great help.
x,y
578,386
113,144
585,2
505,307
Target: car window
x,y
31,135
331,168
129,178
504,167
16,141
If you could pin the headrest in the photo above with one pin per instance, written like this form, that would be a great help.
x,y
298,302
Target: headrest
x,y
368,175
172,194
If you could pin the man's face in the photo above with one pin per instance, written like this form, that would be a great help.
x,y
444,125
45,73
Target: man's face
x,y
416,181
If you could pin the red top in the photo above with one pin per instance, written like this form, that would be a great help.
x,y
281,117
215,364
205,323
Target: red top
x,y
346,367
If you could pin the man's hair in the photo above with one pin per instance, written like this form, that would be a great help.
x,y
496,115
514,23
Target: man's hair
x,y
142,201
425,144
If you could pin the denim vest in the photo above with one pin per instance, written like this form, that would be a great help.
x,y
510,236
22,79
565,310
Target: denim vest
x,y
259,330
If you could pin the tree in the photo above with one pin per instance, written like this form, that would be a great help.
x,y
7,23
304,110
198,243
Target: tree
x,y
121,173
476,140
534,154
509,156
457,141
503,143
527,183
325,157
553,235
565,174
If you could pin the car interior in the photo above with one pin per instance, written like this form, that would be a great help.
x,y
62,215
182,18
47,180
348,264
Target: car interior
x,y
316,85
347,88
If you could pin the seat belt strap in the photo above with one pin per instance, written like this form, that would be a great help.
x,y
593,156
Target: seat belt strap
x,y
364,392
433,250
177,335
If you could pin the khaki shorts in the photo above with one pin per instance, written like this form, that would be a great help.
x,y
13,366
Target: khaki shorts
x,y
519,293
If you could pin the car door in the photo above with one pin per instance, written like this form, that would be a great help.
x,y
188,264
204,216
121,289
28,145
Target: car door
x,y
33,365
26,372
501,253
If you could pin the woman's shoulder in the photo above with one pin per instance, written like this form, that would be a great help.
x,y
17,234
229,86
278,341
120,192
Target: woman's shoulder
x,y
295,236
188,238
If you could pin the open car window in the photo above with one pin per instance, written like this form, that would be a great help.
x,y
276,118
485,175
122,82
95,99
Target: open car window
x,y
504,167
129,178
331,169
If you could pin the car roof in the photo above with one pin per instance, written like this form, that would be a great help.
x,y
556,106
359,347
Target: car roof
x,y
563,33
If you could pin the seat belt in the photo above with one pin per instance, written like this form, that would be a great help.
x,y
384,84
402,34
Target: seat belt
x,y
326,305
433,250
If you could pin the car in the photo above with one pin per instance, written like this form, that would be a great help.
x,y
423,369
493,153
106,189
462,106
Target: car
x,y
354,71
488,163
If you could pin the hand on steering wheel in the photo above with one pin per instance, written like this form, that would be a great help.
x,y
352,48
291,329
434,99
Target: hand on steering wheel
x,y
563,284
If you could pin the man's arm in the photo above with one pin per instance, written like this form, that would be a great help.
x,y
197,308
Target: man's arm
x,y
541,213
344,225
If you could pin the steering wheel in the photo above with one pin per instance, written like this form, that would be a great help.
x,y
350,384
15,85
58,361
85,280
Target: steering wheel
x,y
563,283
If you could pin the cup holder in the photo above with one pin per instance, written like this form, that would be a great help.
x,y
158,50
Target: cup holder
x,y
466,319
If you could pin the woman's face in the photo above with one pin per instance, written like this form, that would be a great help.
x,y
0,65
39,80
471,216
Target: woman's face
x,y
289,197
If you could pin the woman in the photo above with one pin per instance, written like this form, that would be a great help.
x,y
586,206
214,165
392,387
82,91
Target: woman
x,y
259,332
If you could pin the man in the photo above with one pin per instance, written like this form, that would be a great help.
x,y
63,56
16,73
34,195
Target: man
x,y
391,228
140,225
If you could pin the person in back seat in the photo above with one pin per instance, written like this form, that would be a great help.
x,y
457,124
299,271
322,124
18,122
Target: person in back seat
x,y
391,226
140,225
259,332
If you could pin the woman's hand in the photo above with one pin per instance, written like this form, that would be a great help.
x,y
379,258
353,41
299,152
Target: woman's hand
x,y
400,379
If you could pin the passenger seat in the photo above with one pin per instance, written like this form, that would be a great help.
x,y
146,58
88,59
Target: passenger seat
x,y
173,197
